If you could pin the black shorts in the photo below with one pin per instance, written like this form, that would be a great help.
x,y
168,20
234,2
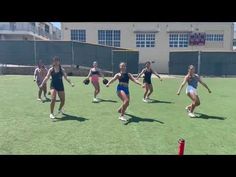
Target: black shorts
x,y
59,87
147,81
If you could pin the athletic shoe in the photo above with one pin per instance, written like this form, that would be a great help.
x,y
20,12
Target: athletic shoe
x,y
192,115
122,118
95,100
52,116
145,100
39,99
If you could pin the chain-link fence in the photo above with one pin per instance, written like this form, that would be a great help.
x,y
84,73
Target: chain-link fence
x,y
206,63
71,53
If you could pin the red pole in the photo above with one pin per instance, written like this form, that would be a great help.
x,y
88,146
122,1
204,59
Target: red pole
x,y
181,146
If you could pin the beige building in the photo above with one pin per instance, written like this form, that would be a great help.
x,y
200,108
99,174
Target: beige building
x,y
153,40
234,41
29,31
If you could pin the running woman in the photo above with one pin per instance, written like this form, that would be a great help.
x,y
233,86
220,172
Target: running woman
x,y
56,72
94,73
147,83
39,74
192,79
123,88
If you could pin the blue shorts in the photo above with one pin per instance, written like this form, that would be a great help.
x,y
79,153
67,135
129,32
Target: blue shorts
x,y
123,88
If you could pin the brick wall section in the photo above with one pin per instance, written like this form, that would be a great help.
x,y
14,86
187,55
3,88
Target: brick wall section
x,y
30,71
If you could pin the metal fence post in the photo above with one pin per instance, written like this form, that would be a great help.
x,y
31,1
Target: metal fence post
x,y
73,56
112,63
35,56
199,62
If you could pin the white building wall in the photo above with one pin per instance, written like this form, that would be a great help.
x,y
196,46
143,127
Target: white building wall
x,y
160,53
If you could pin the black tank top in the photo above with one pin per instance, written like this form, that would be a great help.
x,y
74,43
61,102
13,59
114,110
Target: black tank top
x,y
124,78
57,77
147,74
95,72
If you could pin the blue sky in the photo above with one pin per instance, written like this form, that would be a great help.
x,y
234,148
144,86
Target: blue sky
x,y
57,24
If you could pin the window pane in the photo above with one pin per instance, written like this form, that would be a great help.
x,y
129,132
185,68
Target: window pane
x,y
109,37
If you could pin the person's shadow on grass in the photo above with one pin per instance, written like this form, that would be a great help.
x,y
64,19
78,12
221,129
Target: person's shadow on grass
x,y
109,101
71,117
205,116
49,100
160,101
139,119
103,100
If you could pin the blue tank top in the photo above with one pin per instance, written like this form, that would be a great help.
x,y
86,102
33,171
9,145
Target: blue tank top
x,y
193,81
124,78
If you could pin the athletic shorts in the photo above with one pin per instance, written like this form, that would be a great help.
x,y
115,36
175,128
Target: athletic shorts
x,y
147,81
94,78
191,89
122,88
39,82
58,88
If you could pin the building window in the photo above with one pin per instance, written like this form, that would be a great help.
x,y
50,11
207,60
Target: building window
x,y
46,28
109,37
178,39
145,40
234,42
214,37
78,35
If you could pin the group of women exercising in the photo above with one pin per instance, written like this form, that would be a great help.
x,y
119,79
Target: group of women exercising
x,y
56,72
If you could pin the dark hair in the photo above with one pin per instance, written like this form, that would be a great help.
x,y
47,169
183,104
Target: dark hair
x,y
148,62
56,58
39,63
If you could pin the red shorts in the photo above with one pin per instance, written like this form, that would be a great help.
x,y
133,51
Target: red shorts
x,y
95,79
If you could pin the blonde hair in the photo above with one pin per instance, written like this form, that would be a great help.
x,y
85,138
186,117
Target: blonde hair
x,y
122,63
191,67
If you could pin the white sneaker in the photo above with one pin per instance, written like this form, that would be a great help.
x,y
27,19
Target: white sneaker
x,y
52,116
145,100
122,118
192,115
39,99
95,100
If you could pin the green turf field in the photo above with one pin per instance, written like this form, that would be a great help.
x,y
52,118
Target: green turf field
x,y
94,128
